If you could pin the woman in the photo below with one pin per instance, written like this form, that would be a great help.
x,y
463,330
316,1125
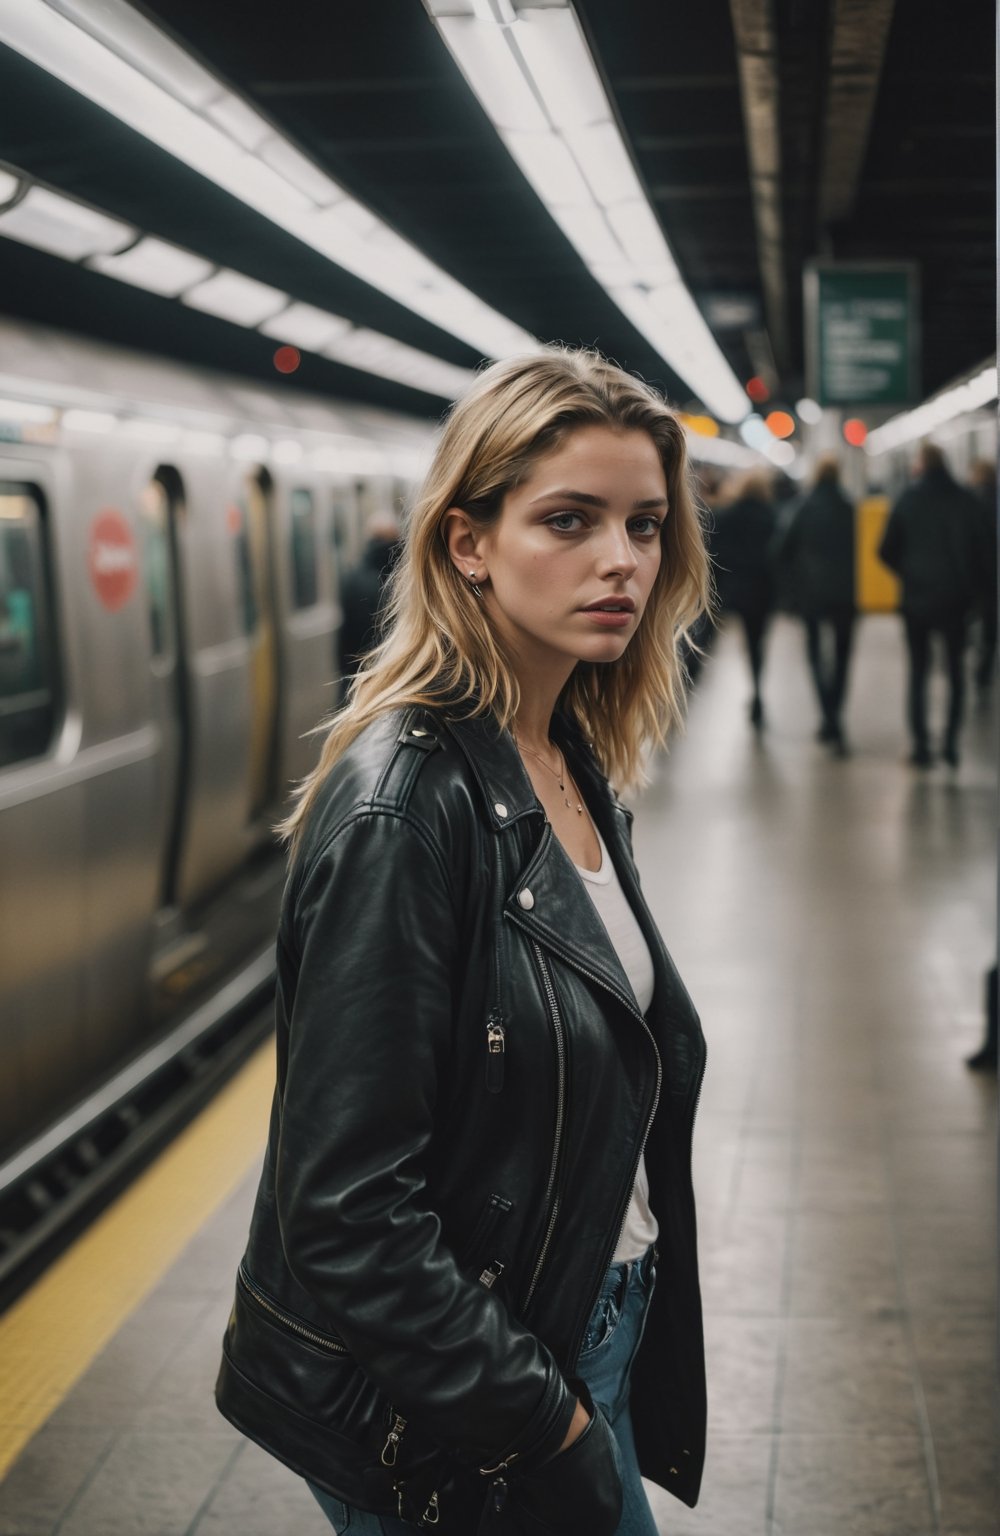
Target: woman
x,y
487,1065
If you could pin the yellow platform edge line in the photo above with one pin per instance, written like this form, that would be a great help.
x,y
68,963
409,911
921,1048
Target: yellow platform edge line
x,y
54,1331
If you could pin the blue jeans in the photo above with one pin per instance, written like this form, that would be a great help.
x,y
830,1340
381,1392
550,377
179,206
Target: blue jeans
x,y
611,1340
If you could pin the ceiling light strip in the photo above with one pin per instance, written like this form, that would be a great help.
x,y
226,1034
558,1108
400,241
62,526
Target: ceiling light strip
x,y
72,230
115,57
979,389
531,68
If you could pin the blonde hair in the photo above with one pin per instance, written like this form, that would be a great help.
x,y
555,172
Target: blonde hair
x,y
439,645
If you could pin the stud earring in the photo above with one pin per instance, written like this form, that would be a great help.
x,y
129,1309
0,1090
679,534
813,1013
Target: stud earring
x,y
473,583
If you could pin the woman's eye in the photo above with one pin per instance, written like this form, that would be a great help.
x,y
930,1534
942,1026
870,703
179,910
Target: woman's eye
x,y
565,522
646,527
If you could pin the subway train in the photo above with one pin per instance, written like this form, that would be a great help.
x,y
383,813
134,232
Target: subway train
x,y
169,551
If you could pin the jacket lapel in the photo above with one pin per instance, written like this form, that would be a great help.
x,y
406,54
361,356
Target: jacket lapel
x,y
549,901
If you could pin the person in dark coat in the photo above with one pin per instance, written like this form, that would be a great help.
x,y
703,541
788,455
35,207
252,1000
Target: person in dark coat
x,y
934,542
361,592
983,484
741,554
814,549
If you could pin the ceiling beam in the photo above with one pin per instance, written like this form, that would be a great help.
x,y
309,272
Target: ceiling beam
x,y
860,29
757,59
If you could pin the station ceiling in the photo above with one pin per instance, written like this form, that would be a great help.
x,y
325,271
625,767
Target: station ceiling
x,y
766,132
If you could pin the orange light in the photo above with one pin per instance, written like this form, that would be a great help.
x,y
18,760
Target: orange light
x,y
855,431
287,359
704,426
780,423
757,389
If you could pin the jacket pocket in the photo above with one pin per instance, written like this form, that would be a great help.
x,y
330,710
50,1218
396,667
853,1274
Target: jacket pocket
x,y
482,1254
258,1298
306,1368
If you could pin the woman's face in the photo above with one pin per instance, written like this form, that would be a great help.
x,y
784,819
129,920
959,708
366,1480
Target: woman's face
x,y
572,559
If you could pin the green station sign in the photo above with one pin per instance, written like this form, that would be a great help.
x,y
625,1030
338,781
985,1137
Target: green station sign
x,y
862,333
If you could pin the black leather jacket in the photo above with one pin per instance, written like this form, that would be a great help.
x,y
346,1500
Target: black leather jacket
x,y
464,1087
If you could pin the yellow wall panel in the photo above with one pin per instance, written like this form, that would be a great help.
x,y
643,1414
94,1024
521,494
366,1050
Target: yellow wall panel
x,y
876,587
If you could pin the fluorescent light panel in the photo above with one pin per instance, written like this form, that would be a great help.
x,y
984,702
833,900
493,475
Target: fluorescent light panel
x,y
154,265
536,80
393,360
979,390
111,54
234,297
303,326
57,224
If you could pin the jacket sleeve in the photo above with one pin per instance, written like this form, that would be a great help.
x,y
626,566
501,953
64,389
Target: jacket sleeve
x,y
378,932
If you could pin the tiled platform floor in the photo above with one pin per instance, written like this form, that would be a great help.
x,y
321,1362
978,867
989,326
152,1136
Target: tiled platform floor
x,y
833,921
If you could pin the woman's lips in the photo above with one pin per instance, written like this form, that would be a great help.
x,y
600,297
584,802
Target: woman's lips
x,y
610,617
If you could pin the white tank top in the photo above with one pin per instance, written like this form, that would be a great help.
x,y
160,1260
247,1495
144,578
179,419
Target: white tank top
x,y
604,889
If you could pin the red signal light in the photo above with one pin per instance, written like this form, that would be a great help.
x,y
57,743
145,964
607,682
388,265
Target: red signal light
x,y
854,431
757,389
287,359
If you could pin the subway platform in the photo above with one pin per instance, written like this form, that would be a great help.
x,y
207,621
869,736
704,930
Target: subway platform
x,y
833,921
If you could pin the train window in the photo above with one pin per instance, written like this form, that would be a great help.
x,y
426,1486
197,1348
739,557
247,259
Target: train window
x,y
305,584
158,565
27,661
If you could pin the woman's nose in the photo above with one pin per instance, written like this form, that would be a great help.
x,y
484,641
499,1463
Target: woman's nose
x,y
617,553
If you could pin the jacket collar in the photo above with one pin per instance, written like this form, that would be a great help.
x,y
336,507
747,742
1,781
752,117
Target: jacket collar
x,y
497,767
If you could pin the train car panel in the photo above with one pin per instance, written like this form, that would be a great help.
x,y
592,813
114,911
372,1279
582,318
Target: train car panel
x,y
215,592
308,586
42,957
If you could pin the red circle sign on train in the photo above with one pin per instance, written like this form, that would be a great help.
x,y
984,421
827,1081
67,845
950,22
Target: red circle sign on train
x,y
112,558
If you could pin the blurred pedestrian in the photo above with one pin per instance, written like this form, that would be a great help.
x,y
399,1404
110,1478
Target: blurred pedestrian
x,y
934,541
361,591
814,554
741,544
983,484
985,1059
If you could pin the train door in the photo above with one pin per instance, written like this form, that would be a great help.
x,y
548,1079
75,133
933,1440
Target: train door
x,y
162,507
260,620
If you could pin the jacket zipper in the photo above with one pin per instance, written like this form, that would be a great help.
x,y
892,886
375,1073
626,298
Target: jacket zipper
x,y
599,981
323,1340
496,1039
550,1194
397,1424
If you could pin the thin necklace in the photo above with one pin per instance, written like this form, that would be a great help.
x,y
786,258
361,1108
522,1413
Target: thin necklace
x,y
560,777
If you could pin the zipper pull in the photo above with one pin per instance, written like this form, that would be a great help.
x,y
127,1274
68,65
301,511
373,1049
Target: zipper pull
x,y
432,1514
491,1274
498,1493
391,1448
495,1049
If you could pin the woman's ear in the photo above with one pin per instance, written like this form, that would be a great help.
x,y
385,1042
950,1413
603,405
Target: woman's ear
x,y
462,540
